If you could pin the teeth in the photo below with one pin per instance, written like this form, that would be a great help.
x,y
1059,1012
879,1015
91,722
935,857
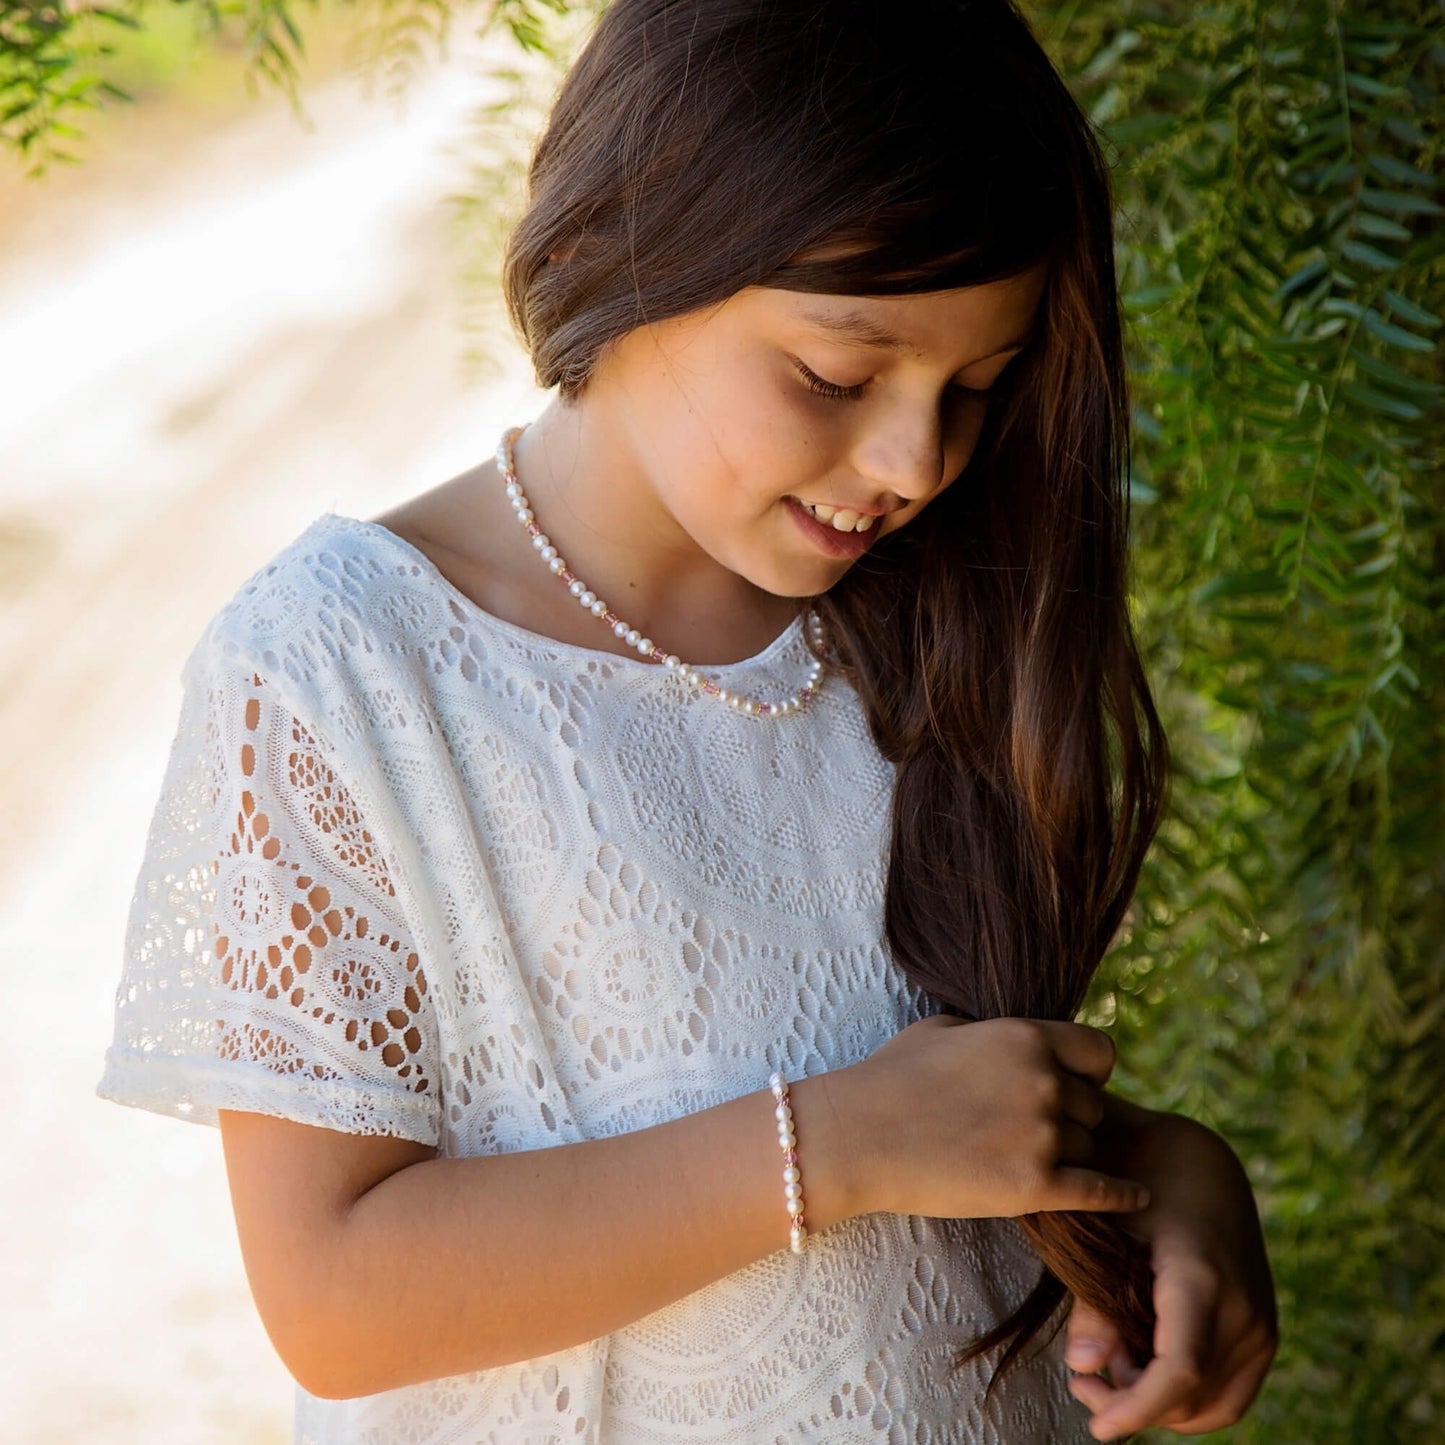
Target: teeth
x,y
844,519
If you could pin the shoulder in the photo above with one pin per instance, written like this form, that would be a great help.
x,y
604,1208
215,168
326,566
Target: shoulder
x,y
344,599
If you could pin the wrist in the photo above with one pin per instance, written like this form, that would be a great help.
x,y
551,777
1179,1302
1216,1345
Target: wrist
x,y
1187,1167
827,1151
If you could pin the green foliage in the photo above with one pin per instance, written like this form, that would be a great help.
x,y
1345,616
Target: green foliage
x,y
43,80
1281,976
53,56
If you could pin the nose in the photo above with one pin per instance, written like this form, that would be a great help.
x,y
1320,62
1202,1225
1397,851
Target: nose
x,y
902,453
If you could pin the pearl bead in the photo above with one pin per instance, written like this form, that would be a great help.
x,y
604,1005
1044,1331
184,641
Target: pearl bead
x,y
782,1113
792,1190
788,1140
794,1206
738,702
792,1174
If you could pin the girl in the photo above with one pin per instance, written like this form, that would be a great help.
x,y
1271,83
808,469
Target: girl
x,y
624,906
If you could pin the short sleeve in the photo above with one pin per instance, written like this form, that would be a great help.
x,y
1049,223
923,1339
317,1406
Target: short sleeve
x,y
267,964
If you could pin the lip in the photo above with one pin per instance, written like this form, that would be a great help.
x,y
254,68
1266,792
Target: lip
x,y
829,539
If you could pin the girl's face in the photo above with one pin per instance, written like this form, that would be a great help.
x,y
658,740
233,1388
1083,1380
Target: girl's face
x,y
724,422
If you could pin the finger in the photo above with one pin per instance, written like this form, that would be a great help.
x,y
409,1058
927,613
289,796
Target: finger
x,y
1123,1371
1081,1102
1075,1142
1082,1050
1095,1394
1176,1379
1090,1339
1099,1193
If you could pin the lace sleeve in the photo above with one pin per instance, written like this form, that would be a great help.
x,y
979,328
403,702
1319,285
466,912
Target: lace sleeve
x,y
267,964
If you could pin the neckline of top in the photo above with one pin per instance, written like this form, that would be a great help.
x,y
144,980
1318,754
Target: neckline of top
x,y
525,635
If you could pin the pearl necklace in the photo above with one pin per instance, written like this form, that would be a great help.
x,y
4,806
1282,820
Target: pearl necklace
x,y
751,706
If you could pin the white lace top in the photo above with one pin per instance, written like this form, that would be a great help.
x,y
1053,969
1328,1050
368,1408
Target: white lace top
x,y
417,871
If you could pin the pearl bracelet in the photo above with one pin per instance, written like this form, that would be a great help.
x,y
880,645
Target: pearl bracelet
x,y
792,1176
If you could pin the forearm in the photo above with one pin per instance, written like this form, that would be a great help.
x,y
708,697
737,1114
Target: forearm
x,y
454,1265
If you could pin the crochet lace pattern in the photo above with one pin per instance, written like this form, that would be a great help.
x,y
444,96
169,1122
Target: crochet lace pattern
x,y
415,870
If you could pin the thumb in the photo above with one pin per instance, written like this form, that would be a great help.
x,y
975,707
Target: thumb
x,y
1091,1339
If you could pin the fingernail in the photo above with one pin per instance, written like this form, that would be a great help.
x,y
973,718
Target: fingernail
x,y
1084,1353
1141,1197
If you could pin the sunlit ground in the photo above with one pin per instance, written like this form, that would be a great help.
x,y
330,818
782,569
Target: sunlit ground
x,y
191,371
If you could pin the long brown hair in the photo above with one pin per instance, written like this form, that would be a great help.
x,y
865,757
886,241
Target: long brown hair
x,y
701,146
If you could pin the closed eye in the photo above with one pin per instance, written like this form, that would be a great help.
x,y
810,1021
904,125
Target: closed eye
x,y
817,385
831,389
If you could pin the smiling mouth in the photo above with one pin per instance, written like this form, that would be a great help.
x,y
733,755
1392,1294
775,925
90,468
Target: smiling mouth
x,y
827,537
841,519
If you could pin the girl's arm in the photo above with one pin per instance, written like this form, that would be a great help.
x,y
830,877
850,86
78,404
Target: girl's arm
x,y
375,1264
1216,1324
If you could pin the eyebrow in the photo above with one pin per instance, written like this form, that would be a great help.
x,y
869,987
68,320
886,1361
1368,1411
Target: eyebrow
x,y
863,330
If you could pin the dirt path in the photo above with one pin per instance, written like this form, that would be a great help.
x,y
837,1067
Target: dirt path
x,y
186,385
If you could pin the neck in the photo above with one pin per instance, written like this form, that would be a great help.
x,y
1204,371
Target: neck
x,y
591,495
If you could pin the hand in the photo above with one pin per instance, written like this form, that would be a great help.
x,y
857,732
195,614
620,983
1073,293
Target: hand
x,y
1216,1325
960,1119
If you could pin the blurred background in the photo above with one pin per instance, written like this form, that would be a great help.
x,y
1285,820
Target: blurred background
x,y
225,321
264,287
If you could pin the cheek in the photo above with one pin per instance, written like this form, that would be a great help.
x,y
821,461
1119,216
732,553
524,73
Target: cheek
x,y
779,443
963,436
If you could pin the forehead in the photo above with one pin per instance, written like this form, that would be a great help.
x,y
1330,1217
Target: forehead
x,y
922,325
